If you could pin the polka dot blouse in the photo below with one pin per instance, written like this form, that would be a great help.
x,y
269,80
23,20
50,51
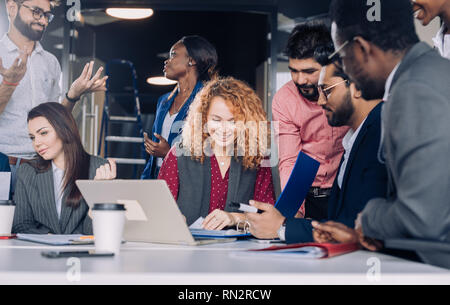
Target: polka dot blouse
x,y
264,191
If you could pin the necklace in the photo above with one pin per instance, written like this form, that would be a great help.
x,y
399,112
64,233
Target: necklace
x,y
182,94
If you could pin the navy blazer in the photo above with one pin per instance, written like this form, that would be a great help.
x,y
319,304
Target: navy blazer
x,y
4,163
163,107
365,178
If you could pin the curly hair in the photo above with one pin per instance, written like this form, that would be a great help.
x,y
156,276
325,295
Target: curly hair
x,y
252,132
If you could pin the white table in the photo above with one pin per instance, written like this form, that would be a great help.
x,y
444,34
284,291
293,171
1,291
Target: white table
x,y
140,263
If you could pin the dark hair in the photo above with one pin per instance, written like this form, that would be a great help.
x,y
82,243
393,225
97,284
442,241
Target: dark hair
x,y
322,55
204,54
306,38
76,158
395,31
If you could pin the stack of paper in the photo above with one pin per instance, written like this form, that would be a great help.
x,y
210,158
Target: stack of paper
x,y
57,240
301,251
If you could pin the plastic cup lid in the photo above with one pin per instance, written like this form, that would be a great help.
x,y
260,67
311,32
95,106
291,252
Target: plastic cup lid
x,y
109,207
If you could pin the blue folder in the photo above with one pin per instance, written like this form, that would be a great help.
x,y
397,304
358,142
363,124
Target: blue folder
x,y
299,183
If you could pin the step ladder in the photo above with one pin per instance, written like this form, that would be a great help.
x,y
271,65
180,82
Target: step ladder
x,y
108,118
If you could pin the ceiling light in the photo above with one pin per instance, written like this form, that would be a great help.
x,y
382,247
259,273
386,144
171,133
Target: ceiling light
x,y
130,13
161,81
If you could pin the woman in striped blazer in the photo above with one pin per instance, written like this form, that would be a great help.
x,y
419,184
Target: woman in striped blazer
x,y
47,199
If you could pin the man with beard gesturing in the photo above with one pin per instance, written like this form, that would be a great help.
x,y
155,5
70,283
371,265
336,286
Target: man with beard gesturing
x,y
30,76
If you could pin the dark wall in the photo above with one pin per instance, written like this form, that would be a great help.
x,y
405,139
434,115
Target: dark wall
x,y
239,38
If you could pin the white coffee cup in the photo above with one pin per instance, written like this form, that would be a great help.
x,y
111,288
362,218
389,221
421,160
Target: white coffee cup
x,y
108,225
7,209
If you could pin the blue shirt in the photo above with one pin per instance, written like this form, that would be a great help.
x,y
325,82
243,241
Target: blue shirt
x,y
163,107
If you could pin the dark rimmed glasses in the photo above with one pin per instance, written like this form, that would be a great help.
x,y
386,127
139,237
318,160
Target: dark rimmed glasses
x,y
327,91
39,13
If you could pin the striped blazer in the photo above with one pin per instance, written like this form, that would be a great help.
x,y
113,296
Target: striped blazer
x,y
36,206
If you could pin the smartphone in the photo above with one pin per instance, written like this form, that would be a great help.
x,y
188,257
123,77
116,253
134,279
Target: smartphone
x,y
66,254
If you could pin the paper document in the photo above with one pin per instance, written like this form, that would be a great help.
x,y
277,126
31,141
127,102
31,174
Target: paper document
x,y
5,184
301,251
197,224
198,231
57,240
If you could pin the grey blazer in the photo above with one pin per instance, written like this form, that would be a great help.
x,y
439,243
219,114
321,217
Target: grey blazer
x,y
36,207
416,147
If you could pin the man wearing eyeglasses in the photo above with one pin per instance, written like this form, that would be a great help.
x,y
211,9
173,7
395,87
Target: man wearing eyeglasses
x,y
361,176
302,123
387,58
29,76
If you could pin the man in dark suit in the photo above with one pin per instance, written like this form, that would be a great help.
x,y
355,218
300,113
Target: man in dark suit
x,y
361,176
4,163
386,57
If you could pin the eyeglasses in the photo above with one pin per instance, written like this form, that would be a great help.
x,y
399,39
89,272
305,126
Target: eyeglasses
x,y
38,13
339,50
327,91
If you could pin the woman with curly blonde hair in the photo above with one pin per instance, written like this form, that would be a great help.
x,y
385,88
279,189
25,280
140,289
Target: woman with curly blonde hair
x,y
222,156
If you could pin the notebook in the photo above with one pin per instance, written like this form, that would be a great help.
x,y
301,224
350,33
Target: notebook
x,y
57,240
301,251
298,185
198,232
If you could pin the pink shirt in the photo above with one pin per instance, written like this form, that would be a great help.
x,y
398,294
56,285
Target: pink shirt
x,y
264,190
304,127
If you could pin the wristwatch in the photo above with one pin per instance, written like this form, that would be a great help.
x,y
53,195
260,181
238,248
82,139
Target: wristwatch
x,y
282,231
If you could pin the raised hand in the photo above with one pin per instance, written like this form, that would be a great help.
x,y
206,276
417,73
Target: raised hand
x,y
17,71
107,171
86,84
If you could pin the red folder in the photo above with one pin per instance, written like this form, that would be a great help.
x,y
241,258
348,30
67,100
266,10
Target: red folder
x,y
330,250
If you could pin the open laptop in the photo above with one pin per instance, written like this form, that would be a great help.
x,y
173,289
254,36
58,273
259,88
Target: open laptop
x,y
152,214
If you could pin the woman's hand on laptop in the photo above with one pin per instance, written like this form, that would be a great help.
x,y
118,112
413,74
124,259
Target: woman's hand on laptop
x,y
218,220
107,171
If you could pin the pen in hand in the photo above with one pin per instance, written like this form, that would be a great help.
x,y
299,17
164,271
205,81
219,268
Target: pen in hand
x,y
246,208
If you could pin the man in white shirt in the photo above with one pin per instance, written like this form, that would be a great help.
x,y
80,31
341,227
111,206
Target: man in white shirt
x,y
426,11
29,76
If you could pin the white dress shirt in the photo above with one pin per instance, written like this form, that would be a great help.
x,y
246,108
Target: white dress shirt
x,y
165,132
388,84
442,42
39,85
348,142
58,183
